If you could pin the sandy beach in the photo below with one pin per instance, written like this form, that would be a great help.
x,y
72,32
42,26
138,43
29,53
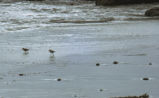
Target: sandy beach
x,y
101,51
134,45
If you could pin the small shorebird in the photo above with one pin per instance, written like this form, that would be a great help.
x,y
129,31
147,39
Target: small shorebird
x,y
25,50
52,51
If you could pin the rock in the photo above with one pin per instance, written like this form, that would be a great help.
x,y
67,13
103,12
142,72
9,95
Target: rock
x,y
100,90
115,62
145,78
21,74
59,79
35,0
119,2
152,12
150,63
97,64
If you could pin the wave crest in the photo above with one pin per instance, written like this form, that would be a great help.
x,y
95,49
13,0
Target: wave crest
x,y
83,21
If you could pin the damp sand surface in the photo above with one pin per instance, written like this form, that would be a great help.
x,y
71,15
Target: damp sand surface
x,y
72,72
101,52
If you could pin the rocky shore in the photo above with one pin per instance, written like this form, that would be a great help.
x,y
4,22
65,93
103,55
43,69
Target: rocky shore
x,y
152,12
120,2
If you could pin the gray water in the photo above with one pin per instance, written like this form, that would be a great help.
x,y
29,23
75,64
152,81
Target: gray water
x,y
16,16
82,35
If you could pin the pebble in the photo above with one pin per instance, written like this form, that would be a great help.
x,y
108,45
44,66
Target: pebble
x,y
97,64
21,74
100,90
59,79
115,62
150,63
145,79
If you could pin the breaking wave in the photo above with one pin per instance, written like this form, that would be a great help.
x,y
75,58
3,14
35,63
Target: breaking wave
x,y
83,21
27,15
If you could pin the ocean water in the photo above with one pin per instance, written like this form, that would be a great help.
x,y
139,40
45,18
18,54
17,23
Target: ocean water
x,y
16,16
82,35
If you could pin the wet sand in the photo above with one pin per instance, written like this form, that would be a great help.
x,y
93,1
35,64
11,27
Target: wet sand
x,y
78,48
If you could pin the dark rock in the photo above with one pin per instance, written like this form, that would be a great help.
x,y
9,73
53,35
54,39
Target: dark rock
x,y
59,79
101,90
150,63
119,2
152,12
97,64
115,62
21,74
35,0
145,78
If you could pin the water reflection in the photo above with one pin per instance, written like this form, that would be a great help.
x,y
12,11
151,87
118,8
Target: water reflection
x,y
25,53
52,59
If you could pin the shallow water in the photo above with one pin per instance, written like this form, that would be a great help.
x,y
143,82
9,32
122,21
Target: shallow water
x,y
78,46
78,49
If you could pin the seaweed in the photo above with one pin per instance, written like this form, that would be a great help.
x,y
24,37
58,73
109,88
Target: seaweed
x,y
141,96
